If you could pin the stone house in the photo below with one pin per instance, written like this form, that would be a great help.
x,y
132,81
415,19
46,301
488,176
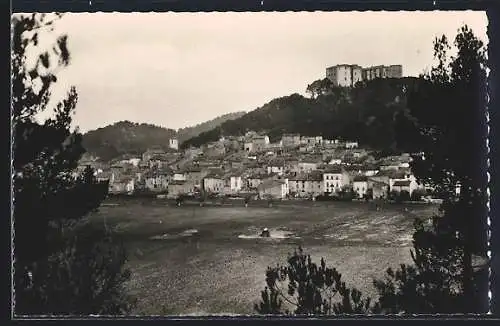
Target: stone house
x,y
306,184
156,181
178,188
124,185
195,176
380,189
213,183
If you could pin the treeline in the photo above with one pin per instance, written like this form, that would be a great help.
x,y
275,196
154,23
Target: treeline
x,y
365,113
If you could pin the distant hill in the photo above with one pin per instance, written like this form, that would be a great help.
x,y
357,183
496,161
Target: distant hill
x,y
190,132
127,137
365,113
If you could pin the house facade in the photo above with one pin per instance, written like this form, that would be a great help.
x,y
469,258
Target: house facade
x,y
334,179
402,185
404,180
260,143
178,188
236,183
344,75
173,143
124,185
351,144
156,182
254,180
276,189
380,189
276,166
213,183
360,186
307,166
290,140
306,184
195,176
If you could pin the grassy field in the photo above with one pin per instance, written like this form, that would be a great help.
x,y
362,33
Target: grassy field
x,y
209,260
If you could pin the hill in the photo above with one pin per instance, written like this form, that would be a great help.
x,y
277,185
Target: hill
x,y
190,132
365,113
127,137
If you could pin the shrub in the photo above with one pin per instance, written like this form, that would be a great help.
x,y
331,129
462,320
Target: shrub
x,y
404,196
311,289
418,194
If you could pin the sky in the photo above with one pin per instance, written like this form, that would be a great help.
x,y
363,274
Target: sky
x,y
179,69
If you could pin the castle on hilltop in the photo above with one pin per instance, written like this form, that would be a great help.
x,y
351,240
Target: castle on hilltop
x,y
346,75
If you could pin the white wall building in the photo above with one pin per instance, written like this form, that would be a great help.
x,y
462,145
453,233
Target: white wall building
x,y
344,75
360,186
173,143
236,183
351,144
334,179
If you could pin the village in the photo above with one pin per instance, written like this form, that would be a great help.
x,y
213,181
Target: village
x,y
250,166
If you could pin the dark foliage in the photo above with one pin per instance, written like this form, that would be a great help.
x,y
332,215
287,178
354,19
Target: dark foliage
x,y
62,263
445,124
364,113
320,87
399,196
418,194
311,290
190,132
433,284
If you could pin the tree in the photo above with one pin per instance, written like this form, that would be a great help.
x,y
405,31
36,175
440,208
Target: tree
x,y
63,263
418,194
312,290
319,87
433,284
446,126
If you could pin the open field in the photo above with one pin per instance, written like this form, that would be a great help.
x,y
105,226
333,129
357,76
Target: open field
x,y
208,260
